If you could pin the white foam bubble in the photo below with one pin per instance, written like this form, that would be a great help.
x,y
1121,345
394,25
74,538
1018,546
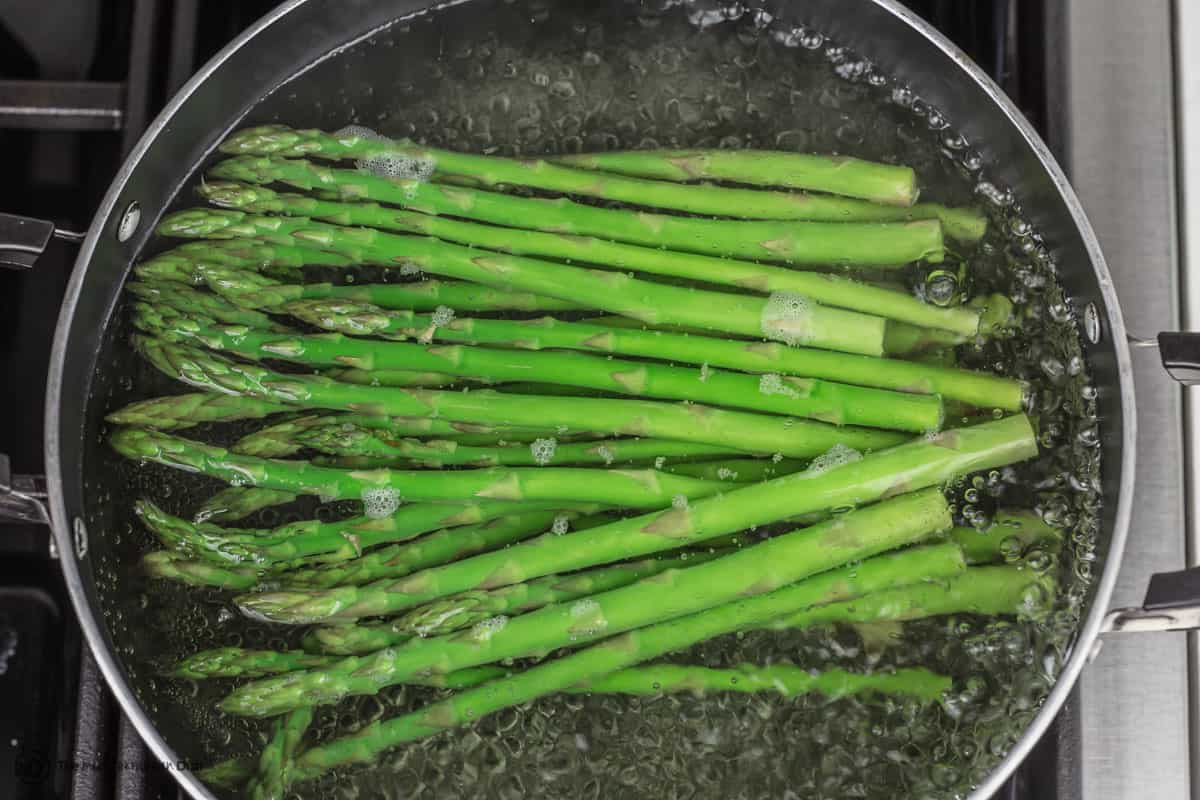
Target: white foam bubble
x,y
442,315
705,372
409,268
582,607
391,164
543,450
679,501
660,462
726,474
605,452
772,384
380,502
487,628
787,317
835,456
562,523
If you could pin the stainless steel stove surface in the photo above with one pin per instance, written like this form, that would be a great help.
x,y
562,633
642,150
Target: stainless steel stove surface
x,y
1095,76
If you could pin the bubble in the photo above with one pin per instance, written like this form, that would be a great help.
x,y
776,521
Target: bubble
x,y
485,629
834,457
381,502
787,317
542,450
442,316
772,384
561,524
705,372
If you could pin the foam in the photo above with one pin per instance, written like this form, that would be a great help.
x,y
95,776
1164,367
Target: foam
x,y
787,317
835,456
381,502
543,450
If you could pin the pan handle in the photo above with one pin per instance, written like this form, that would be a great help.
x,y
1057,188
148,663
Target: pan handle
x,y
22,497
1172,604
23,239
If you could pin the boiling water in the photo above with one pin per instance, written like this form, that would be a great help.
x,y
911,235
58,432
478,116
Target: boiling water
x,y
536,81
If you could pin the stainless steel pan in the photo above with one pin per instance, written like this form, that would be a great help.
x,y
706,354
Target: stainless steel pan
x,y
298,65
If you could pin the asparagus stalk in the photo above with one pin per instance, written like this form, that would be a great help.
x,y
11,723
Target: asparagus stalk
x,y
491,171
808,242
979,389
278,757
238,502
644,488
239,662
738,470
824,288
193,572
235,282
852,177
349,440
229,774
624,651
916,465
471,608
283,546
281,440
179,264
783,316
989,591
840,404
186,410
785,679
211,305
738,430
674,593
1006,538
441,547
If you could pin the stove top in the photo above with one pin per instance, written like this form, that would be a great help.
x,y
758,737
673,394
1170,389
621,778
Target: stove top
x,y
75,95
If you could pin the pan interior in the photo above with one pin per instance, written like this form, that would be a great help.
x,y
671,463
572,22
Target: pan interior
x,y
535,77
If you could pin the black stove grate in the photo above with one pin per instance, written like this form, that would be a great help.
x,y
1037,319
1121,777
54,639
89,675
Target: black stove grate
x,y
117,61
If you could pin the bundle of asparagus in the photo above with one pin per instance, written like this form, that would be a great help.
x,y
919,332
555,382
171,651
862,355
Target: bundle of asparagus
x,y
589,508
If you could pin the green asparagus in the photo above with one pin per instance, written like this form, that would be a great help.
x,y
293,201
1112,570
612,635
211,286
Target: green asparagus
x,y
194,572
754,570
824,288
239,662
837,403
782,316
186,410
785,679
738,430
626,650
908,467
238,502
441,547
979,389
211,305
491,171
278,757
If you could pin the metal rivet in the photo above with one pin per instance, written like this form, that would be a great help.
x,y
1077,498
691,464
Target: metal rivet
x,y
129,221
1091,323
81,538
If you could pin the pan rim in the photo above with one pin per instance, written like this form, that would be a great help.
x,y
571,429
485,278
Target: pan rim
x,y
1086,635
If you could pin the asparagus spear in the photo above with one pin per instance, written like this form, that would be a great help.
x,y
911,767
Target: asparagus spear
x,y
990,591
233,281
922,463
738,430
841,404
230,773
281,547
1007,537
397,378
783,316
738,470
278,757
785,679
179,263
441,547
471,608
852,177
674,593
348,440
239,502
211,305
624,651
491,171
239,662
185,410
644,488
279,441
979,389
193,572
824,288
